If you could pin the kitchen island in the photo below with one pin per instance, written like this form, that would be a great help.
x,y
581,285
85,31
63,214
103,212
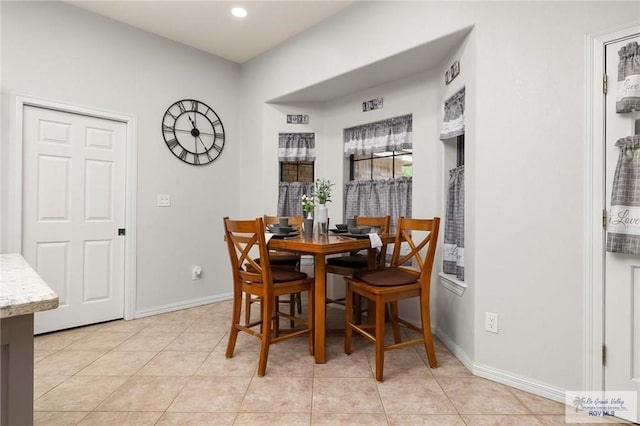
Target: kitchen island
x,y
22,293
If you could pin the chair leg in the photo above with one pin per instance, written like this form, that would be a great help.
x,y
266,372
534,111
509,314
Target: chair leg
x,y
299,301
380,311
276,318
292,309
426,331
247,309
357,306
393,318
348,312
265,338
235,320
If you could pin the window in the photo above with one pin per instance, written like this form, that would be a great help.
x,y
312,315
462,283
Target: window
x,y
381,165
381,168
296,154
296,171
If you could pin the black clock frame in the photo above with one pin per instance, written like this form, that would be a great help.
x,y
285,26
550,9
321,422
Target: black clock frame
x,y
177,139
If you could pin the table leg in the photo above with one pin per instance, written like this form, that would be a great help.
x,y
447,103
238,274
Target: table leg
x,y
320,300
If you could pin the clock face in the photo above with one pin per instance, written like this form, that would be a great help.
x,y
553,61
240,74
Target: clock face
x,y
193,132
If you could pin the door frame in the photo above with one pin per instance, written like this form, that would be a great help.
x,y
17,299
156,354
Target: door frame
x,y
593,300
17,103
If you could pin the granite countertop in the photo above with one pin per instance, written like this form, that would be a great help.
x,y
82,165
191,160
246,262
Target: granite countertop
x,y
22,291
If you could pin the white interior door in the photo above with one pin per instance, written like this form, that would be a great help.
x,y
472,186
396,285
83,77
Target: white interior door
x,y
622,271
73,205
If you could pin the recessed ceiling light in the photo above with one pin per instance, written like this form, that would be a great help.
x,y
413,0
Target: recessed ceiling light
x,y
239,12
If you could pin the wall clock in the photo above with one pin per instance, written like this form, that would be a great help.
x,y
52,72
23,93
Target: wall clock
x,y
193,132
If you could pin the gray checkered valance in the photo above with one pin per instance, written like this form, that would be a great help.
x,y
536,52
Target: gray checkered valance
x,y
453,116
628,96
393,134
623,227
297,147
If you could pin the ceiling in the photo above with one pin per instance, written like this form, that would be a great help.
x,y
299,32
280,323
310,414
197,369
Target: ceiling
x,y
209,26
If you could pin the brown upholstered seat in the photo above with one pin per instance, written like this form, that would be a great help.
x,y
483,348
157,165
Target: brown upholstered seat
x,y
390,276
252,279
408,276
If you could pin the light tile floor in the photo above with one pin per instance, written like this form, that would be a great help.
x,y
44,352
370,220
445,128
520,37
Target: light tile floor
x,y
170,369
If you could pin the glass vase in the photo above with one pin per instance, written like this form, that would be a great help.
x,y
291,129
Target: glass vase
x,y
322,217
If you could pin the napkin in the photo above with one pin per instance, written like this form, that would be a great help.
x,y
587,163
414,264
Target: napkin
x,y
375,240
267,237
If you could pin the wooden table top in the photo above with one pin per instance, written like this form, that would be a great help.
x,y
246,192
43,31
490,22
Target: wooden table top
x,y
324,244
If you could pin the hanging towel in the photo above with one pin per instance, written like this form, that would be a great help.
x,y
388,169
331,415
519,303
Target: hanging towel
x,y
628,96
623,229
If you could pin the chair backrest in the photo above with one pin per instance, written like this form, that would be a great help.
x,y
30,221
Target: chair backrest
x,y
422,250
383,223
295,221
243,238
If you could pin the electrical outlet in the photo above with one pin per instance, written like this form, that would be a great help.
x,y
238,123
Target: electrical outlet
x,y
196,272
164,200
491,322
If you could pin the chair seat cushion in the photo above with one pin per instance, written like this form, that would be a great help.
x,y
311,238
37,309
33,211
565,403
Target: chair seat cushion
x,y
386,277
353,261
283,275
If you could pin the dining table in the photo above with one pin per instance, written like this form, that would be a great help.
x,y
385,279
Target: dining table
x,y
319,246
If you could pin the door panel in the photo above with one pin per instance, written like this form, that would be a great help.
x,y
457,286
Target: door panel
x,y
73,205
622,271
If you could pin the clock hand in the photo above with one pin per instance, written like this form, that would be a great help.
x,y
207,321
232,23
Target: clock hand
x,y
192,123
203,145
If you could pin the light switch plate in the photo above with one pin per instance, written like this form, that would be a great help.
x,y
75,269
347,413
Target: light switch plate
x,y
164,200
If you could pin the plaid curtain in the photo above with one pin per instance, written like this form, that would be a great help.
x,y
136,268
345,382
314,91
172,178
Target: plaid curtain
x,y
393,134
379,198
453,116
628,96
290,197
454,225
623,229
297,147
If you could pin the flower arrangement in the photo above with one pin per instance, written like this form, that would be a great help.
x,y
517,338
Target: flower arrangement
x,y
323,190
307,203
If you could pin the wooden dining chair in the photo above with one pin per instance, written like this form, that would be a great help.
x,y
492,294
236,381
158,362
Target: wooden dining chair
x,y
280,259
353,262
259,279
408,276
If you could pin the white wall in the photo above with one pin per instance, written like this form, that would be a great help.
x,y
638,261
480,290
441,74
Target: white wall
x,y
455,314
528,154
59,52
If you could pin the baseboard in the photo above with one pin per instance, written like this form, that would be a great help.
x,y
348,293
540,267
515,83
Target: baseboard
x,y
456,350
519,382
186,304
500,376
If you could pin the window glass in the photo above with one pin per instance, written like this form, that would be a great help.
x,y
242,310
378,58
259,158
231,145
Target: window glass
x,y
383,165
296,171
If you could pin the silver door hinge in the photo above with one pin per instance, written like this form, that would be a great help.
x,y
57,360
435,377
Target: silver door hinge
x,y
604,83
604,355
604,219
